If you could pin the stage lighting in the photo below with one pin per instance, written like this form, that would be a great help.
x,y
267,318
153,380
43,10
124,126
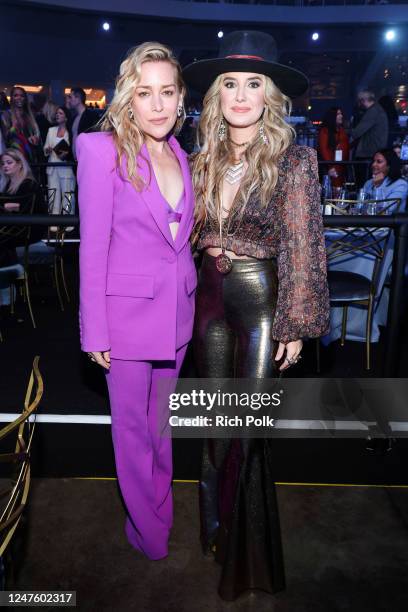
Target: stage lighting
x,y
106,26
220,34
390,35
315,36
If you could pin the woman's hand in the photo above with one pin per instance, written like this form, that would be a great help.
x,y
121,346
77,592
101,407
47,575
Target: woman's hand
x,y
292,353
34,140
102,358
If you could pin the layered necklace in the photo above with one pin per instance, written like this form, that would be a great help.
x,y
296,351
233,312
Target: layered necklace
x,y
236,171
233,175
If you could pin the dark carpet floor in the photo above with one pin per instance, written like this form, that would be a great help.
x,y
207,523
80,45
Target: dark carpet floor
x,y
346,549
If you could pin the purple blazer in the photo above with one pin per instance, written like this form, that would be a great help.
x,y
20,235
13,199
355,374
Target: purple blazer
x,y
137,284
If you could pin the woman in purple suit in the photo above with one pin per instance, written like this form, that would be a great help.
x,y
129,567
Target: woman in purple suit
x,y
137,275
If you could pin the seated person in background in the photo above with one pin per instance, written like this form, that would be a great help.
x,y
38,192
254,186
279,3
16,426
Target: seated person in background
x,y
334,145
19,182
386,173
396,146
19,189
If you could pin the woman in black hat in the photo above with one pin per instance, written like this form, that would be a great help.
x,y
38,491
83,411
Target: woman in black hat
x,y
262,285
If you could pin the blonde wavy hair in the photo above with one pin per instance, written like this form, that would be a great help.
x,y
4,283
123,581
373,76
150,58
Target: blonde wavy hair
x,y
50,110
24,171
127,135
215,156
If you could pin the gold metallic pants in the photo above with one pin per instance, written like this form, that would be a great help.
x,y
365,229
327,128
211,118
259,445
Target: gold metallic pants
x,y
234,319
238,506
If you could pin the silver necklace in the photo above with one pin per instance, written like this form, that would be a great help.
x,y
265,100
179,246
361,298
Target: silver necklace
x,y
235,173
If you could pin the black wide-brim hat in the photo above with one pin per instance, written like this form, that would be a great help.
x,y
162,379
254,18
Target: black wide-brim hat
x,y
246,51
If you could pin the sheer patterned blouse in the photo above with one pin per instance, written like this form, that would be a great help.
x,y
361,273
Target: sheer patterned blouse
x,y
289,229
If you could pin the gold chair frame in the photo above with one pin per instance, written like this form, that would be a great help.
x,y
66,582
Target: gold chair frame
x,y
17,492
56,240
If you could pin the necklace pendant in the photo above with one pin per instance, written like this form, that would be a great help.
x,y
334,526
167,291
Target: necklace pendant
x,y
234,173
223,263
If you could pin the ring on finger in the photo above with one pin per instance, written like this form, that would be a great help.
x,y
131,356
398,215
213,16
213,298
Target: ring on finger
x,y
293,360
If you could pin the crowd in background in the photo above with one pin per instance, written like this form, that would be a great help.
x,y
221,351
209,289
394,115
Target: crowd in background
x,y
43,134
37,157
373,137
37,135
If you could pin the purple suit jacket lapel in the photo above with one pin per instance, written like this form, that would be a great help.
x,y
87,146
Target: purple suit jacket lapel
x,y
153,199
185,226
151,195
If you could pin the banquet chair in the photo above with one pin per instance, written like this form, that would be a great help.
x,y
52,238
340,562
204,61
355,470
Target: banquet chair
x,y
49,252
9,276
68,205
348,288
18,237
16,442
50,194
58,238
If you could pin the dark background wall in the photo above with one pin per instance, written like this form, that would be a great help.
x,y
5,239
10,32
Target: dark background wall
x,y
39,45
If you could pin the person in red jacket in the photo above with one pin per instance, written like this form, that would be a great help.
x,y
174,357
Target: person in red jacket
x,y
334,145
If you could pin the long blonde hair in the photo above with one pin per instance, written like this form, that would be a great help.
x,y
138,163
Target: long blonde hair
x,y
25,171
127,135
214,158
49,111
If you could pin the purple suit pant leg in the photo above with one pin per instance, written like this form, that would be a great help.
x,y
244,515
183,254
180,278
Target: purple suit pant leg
x,y
143,457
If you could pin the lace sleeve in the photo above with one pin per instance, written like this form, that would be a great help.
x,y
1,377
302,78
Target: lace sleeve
x,y
303,298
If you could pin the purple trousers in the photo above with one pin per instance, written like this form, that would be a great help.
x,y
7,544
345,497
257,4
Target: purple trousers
x,y
143,457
